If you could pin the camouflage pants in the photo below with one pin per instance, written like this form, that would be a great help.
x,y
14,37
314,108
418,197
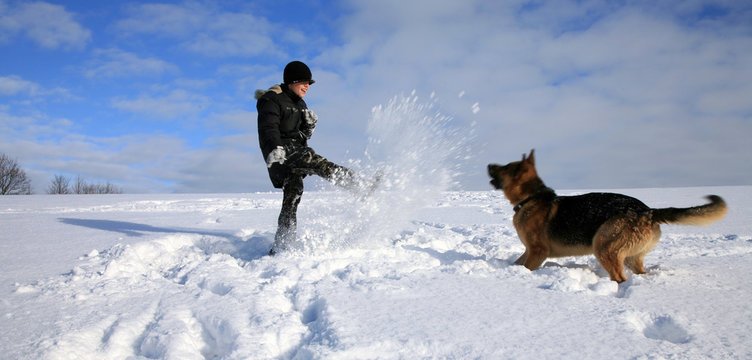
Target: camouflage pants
x,y
303,162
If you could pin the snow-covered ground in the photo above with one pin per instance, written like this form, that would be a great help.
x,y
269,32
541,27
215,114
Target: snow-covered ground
x,y
414,272
186,277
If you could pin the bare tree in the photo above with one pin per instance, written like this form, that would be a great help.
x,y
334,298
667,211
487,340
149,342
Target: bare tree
x,y
59,185
13,179
81,186
110,189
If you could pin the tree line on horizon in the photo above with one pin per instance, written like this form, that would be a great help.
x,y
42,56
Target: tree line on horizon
x,y
14,181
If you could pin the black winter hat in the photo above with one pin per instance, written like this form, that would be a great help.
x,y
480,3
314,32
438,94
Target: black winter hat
x,y
296,71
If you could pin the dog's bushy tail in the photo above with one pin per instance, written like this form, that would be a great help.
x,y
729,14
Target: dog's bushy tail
x,y
697,215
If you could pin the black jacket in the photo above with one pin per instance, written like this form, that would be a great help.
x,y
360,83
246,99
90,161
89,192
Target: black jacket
x,y
281,123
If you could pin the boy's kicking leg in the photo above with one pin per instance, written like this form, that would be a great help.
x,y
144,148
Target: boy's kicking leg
x,y
337,174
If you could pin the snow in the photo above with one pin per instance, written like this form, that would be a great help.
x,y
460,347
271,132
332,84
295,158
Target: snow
x,y
415,271
186,277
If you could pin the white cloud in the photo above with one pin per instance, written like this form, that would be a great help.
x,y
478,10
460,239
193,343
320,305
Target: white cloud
x,y
203,29
228,34
164,19
50,26
10,124
176,104
235,119
13,85
219,169
119,63
590,79
137,161
30,92
33,125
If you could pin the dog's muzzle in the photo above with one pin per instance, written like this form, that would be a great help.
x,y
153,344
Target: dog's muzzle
x,y
493,171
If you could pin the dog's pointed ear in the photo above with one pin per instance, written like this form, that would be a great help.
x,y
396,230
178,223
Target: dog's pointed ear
x,y
531,157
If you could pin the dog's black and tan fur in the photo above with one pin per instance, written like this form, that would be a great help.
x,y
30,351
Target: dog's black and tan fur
x,y
619,230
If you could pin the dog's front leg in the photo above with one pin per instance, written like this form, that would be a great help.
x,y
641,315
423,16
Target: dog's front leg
x,y
521,260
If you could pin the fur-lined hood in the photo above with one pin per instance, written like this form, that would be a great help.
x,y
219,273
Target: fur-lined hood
x,y
259,93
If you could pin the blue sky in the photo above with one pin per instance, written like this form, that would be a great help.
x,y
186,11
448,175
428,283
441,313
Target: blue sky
x,y
158,96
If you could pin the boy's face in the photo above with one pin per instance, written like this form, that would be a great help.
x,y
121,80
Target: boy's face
x,y
300,88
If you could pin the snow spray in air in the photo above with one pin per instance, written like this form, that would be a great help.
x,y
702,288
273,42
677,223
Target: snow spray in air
x,y
416,152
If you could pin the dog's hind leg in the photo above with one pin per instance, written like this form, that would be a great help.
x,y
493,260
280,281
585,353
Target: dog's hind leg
x,y
608,248
612,264
635,262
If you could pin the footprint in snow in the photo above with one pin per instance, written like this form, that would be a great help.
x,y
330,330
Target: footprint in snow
x,y
660,327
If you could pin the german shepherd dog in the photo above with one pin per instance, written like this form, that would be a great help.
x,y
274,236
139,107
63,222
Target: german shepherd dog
x,y
620,230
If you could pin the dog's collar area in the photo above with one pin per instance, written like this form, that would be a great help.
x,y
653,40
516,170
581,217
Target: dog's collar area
x,y
531,197
522,203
